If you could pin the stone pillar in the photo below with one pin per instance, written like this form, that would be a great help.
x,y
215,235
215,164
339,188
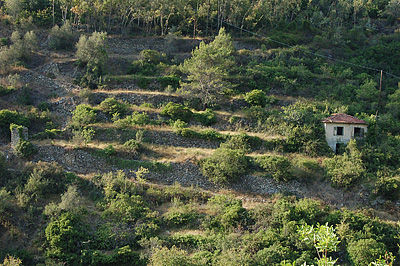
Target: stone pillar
x,y
18,132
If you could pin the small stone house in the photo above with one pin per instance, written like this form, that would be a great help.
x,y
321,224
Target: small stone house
x,y
341,128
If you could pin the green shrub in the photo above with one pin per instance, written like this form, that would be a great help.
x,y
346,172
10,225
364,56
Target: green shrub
x,y
211,134
365,251
146,105
176,111
64,236
256,98
136,118
151,56
192,241
388,188
207,118
273,254
125,208
225,165
92,55
3,41
83,115
132,146
179,124
173,256
227,214
188,133
344,170
109,150
25,149
180,214
47,178
6,90
242,141
8,117
237,142
83,135
111,106
5,200
173,81
277,166
43,106
62,37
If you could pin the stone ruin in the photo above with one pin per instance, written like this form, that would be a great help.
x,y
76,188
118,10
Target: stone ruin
x,y
17,133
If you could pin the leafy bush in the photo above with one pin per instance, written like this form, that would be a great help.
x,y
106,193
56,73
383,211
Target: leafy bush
x,y
46,178
92,54
70,202
111,106
5,200
344,170
109,150
211,134
132,146
146,105
365,251
208,134
256,98
24,148
151,56
180,214
227,214
64,237
172,81
136,118
3,41
225,165
6,90
147,63
176,111
243,142
8,117
21,49
173,256
388,188
277,166
62,37
207,118
83,115
179,124
83,135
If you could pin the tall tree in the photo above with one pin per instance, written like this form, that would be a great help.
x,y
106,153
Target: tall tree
x,y
207,69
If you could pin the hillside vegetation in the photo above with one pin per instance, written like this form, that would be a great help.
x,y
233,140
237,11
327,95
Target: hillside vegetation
x,y
189,132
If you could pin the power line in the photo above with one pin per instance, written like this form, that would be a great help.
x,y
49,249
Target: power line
x,y
309,52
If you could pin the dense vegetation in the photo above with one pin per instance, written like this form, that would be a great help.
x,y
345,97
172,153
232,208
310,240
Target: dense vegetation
x,y
253,112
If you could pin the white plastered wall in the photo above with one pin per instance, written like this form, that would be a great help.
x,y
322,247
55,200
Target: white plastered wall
x,y
348,133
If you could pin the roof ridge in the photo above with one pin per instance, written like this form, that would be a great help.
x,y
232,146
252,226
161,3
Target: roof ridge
x,y
343,118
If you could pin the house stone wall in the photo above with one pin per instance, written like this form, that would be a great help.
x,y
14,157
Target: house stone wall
x,y
348,133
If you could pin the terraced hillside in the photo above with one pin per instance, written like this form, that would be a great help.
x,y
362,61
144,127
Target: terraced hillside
x,y
132,165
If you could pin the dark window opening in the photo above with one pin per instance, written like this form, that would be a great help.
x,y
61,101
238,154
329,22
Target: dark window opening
x,y
339,131
358,132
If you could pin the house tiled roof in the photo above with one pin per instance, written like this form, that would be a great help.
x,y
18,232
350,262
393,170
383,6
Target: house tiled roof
x,y
343,118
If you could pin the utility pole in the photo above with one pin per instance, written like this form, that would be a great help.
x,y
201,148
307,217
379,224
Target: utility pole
x,y
380,91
